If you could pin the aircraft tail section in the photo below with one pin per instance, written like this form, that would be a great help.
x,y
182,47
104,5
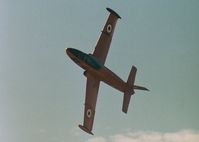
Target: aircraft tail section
x,y
129,92
131,78
140,88
126,101
130,89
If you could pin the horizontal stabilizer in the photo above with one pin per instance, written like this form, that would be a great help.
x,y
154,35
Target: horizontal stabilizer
x,y
126,101
131,78
130,91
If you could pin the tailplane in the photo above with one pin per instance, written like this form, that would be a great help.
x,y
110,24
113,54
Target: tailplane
x,y
130,89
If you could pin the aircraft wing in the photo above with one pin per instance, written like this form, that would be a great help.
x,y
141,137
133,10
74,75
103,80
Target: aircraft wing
x,y
92,87
103,44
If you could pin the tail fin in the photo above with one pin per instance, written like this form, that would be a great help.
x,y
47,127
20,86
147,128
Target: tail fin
x,y
140,88
130,90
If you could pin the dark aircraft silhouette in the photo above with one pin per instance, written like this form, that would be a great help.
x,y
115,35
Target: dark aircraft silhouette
x,y
95,71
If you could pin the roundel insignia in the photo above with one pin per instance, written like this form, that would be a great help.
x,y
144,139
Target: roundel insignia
x,y
109,28
89,113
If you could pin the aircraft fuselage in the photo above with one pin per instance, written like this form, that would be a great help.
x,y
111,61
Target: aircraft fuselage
x,y
95,71
93,67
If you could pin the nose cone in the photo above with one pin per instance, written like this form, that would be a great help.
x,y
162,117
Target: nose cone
x,y
67,50
73,52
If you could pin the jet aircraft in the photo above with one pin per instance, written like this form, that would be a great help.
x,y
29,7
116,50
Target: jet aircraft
x,y
95,71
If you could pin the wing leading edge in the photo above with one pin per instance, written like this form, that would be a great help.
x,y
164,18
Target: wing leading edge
x,y
103,44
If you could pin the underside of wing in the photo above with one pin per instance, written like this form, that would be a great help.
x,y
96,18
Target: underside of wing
x,y
103,44
92,87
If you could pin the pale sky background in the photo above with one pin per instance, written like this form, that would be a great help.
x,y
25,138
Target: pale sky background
x,y
42,91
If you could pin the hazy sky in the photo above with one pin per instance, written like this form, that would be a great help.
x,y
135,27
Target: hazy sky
x,y
42,91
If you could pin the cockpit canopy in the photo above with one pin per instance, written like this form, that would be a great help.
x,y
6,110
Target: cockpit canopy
x,y
87,58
